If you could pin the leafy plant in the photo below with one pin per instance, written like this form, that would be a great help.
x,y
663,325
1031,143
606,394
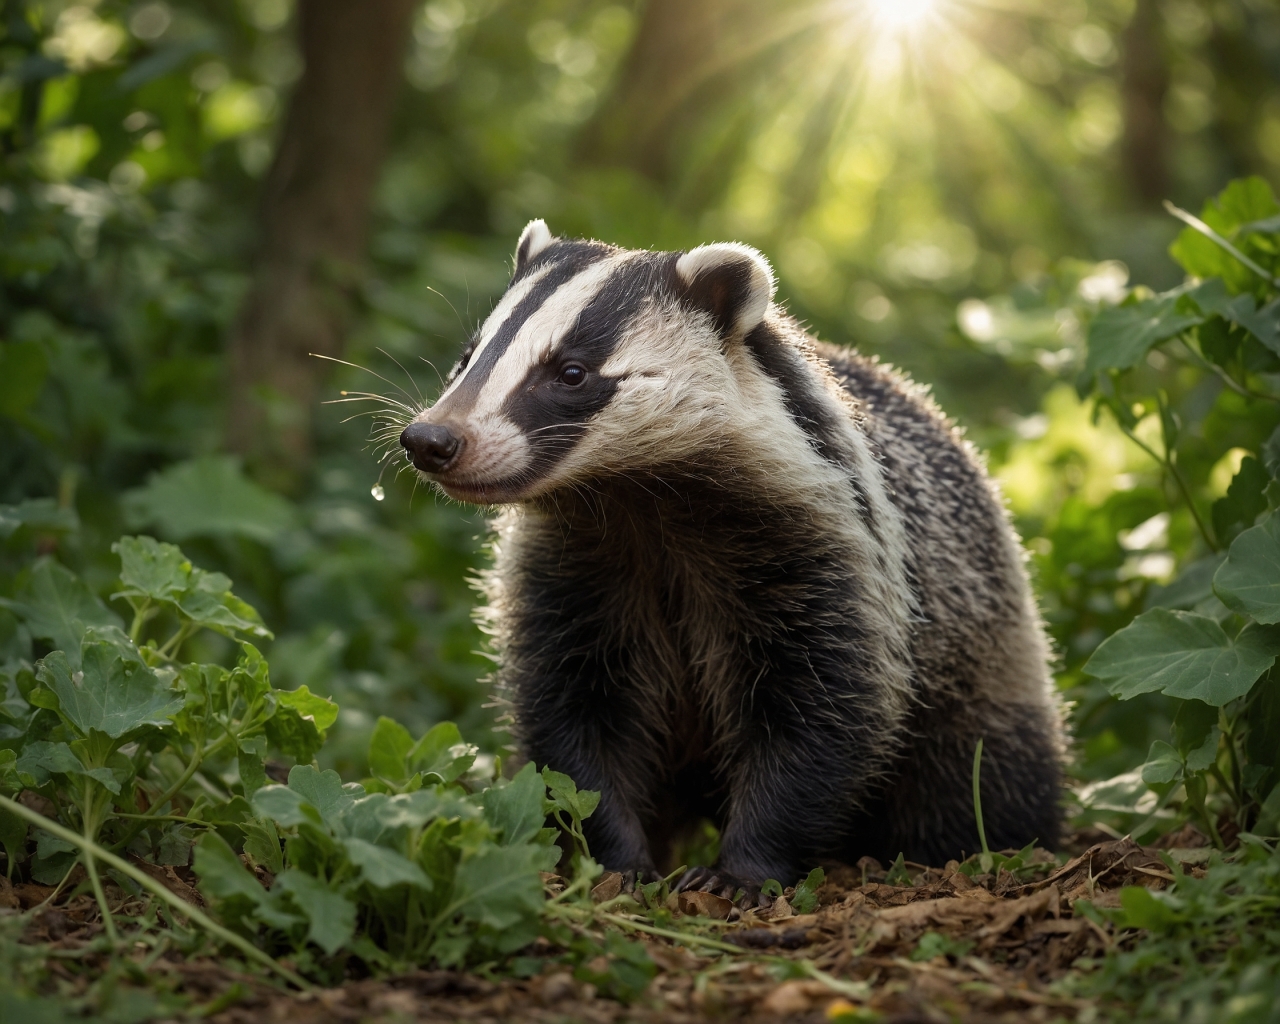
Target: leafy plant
x,y
1210,639
112,729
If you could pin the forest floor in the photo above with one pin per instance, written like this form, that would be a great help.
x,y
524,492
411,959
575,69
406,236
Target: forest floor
x,y
946,947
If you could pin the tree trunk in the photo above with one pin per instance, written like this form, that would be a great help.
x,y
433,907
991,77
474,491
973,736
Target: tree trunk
x,y
1144,83
315,223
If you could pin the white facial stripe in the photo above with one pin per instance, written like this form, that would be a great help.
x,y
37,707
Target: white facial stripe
x,y
493,323
539,336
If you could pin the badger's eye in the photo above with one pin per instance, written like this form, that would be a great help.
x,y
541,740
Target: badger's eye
x,y
572,374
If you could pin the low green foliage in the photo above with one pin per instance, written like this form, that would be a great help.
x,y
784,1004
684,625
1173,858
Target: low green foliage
x,y
1210,639
1205,949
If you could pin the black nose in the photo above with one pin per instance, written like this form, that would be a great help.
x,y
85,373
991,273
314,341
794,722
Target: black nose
x,y
431,446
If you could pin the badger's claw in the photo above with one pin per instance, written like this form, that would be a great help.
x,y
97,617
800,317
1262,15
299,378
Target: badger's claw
x,y
723,884
641,876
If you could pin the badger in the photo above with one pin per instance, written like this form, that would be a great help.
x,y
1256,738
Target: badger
x,y
740,575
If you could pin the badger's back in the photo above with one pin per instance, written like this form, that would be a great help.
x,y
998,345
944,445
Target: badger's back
x,y
981,660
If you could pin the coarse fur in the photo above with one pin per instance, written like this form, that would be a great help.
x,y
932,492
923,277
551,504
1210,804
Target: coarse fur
x,y
740,574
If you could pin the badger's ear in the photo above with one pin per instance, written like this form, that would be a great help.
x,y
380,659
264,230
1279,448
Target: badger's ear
x,y
731,281
535,237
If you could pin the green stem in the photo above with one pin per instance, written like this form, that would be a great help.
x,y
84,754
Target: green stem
x,y
89,823
1177,478
156,889
1217,239
977,796
1241,389
161,817
667,933
197,758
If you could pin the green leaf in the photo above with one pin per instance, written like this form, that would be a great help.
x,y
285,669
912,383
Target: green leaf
x,y
332,917
1244,501
1244,201
56,606
1183,655
1164,764
1249,580
1193,585
1212,298
1120,336
442,752
515,808
805,900
324,791
1140,908
209,603
253,774
389,748
38,513
318,711
1203,756
500,885
284,806
382,867
151,569
41,758
208,497
565,794
114,693
222,876
262,844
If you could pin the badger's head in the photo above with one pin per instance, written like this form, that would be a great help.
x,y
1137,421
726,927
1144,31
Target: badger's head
x,y
597,361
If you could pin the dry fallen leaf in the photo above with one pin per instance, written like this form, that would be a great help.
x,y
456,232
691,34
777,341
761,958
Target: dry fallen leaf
x,y
704,904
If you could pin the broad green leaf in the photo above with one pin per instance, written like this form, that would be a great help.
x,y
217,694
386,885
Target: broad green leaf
x,y
1249,580
151,569
284,806
1163,763
1193,585
383,867
208,497
331,915
413,810
565,793
362,820
515,808
222,876
389,748
56,606
209,603
1183,655
41,758
442,752
324,791
318,711
1206,753
175,845
500,885
114,693
1212,297
1143,909
1120,336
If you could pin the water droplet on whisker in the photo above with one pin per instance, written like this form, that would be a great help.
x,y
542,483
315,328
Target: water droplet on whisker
x,y
377,492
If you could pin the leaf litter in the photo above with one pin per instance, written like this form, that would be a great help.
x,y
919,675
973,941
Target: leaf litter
x,y
955,944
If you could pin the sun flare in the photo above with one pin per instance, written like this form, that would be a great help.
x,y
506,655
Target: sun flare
x,y
900,16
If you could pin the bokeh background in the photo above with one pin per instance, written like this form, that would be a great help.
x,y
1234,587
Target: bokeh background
x,y
194,196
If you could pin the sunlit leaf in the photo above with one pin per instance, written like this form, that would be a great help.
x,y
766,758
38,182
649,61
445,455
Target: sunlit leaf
x,y
1249,580
1183,655
441,752
1120,336
389,748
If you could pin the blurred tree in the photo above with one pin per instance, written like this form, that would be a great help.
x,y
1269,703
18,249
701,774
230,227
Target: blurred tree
x,y
315,223
1145,87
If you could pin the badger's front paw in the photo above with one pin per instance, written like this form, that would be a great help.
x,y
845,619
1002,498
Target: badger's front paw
x,y
722,883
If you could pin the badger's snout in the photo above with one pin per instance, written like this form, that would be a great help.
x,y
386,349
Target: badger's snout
x,y
431,446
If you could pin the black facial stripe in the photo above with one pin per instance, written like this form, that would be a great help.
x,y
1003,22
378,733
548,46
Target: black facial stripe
x,y
553,416
562,251
568,259
805,398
